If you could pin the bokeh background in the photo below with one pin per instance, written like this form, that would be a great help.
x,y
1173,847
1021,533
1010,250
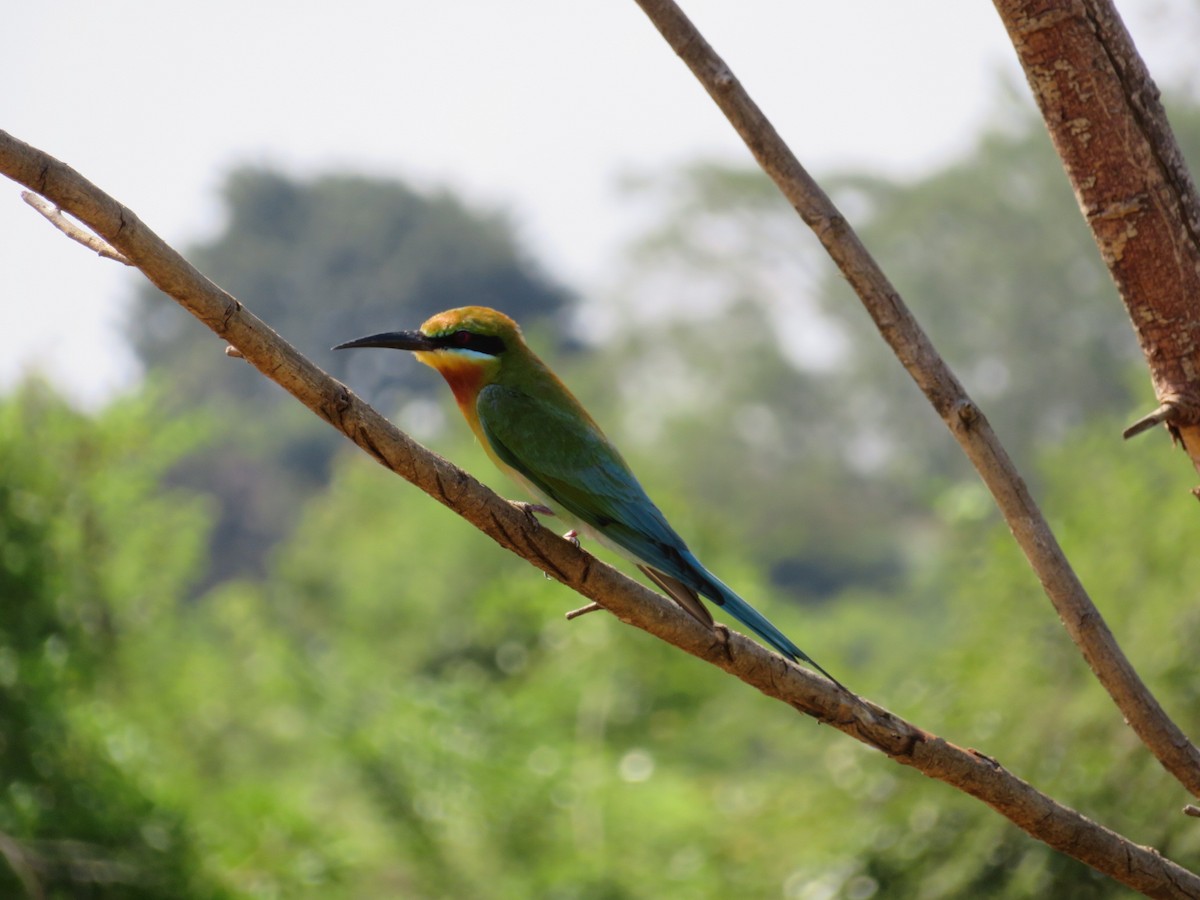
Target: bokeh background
x,y
238,659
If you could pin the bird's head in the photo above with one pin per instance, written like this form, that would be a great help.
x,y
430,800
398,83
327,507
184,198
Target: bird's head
x,y
466,345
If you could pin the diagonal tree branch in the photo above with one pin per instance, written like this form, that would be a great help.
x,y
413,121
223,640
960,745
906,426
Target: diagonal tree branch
x,y
508,524
965,420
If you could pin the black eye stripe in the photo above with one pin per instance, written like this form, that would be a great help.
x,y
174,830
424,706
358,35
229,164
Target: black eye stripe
x,y
468,340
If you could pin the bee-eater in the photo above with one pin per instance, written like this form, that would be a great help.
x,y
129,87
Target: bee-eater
x,y
535,431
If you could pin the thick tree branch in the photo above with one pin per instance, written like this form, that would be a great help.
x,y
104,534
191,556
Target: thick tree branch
x,y
510,525
1133,186
965,420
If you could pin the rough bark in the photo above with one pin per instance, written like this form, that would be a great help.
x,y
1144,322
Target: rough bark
x,y
1103,113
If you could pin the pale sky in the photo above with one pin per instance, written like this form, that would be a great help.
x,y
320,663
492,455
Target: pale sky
x,y
533,106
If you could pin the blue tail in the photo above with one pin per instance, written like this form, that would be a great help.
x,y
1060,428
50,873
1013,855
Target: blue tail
x,y
719,593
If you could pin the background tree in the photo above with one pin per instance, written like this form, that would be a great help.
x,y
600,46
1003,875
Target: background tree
x,y
334,256
798,401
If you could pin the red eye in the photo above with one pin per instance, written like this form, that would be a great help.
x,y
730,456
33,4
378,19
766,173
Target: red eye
x,y
461,338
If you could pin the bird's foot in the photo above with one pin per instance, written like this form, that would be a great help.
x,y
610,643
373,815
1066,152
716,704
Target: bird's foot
x,y
722,635
532,509
572,536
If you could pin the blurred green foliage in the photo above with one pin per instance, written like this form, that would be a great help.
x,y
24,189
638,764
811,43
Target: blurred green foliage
x,y
92,552
399,708
369,699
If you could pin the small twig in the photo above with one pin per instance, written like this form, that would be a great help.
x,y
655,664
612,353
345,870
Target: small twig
x,y
55,215
584,610
234,352
1192,810
1145,423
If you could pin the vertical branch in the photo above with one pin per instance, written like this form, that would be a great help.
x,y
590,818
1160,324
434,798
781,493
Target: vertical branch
x,y
965,420
1103,113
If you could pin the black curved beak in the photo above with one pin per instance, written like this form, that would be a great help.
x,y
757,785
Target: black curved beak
x,y
396,340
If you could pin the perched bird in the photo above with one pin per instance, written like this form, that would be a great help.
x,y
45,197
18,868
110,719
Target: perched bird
x,y
535,431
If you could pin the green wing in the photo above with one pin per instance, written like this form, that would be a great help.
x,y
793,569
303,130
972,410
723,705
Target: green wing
x,y
566,457
570,461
